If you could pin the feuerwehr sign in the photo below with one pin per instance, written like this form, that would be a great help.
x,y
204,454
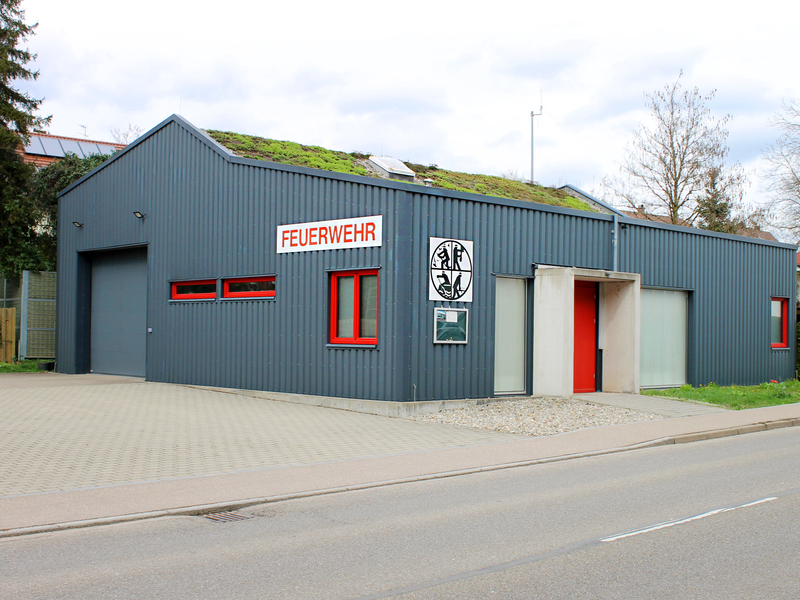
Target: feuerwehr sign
x,y
360,232
451,270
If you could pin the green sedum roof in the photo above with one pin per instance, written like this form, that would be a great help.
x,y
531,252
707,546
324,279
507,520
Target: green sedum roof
x,y
315,157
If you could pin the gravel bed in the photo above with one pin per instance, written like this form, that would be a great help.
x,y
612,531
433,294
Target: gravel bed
x,y
538,416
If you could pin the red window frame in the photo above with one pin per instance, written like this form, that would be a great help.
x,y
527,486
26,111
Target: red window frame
x,y
227,293
176,285
784,343
356,338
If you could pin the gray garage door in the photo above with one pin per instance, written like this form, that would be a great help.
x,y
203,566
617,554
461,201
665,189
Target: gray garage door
x,y
119,312
665,326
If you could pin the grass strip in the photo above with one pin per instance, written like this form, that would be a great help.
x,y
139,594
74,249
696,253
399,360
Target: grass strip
x,y
736,397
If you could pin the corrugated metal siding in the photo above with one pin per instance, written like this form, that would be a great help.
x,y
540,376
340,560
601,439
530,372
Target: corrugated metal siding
x,y
280,344
208,217
507,241
731,282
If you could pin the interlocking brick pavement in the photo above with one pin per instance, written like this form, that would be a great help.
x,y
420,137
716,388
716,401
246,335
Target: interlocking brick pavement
x,y
79,436
656,405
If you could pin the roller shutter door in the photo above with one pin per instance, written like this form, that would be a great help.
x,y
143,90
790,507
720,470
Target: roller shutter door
x,y
119,312
664,328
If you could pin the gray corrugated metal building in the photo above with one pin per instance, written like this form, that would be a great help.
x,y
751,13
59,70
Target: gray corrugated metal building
x,y
223,277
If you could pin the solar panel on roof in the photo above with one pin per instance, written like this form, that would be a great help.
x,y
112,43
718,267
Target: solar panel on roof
x,y
52,147
89,148
34,146
72,146
106,149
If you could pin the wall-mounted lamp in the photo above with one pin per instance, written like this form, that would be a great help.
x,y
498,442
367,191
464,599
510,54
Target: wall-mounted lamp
x,y
139,215
78,225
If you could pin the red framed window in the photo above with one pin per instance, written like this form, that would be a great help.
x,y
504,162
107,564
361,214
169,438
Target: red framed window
x,y
779,323
201,289
354,307
249,287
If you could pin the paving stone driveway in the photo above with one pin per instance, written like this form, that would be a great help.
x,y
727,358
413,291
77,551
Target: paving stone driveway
x,y
61,432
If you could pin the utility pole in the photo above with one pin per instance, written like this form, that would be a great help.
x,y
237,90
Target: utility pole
x,y
534,114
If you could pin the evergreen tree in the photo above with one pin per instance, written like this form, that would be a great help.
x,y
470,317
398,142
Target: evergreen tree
x,y
42,201
18,249
16,107
722,192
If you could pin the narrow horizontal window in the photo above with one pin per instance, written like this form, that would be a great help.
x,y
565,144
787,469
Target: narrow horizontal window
x,y
249,287
779,323
354,307
204,289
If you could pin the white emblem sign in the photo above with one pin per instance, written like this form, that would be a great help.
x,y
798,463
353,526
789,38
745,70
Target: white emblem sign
x,y
451,270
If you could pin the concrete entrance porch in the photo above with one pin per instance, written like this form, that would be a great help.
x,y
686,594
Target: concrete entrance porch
x,y
618,330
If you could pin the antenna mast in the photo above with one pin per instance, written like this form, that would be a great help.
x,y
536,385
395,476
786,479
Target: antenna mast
x,y
534,114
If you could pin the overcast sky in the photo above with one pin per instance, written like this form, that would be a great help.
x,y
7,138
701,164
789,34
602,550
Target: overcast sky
x,y
434,82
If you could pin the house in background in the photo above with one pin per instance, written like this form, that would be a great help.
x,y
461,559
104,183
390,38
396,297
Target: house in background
x,y
640,213
44,148
751,232
34,294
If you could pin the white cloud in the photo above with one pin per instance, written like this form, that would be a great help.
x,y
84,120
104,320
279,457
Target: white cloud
x,y
445,82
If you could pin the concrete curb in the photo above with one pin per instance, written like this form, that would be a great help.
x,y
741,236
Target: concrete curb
x,y
719,433
205,509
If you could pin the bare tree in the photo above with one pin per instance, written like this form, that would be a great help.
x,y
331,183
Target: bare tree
x,y
783,170
670,165
128,135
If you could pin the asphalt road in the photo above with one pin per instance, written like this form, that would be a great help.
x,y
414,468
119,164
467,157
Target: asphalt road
x,y
713,519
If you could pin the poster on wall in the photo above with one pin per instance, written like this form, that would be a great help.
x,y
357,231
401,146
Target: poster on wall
x,y
449,325
451,270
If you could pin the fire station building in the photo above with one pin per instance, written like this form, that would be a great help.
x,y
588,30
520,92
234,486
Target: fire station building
x,y
181,262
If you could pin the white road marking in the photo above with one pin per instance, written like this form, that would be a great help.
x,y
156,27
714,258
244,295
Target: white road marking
x,y
682,521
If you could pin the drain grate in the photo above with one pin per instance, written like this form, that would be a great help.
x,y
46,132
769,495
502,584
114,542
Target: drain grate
x,y
227,517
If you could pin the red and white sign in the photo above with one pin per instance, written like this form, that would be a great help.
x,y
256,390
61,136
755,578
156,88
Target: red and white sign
x,y
361,232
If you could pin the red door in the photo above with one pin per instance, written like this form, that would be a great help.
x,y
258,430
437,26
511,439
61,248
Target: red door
x,y
585,356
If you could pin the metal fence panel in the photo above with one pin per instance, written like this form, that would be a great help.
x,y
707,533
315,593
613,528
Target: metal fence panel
x,y
34,297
